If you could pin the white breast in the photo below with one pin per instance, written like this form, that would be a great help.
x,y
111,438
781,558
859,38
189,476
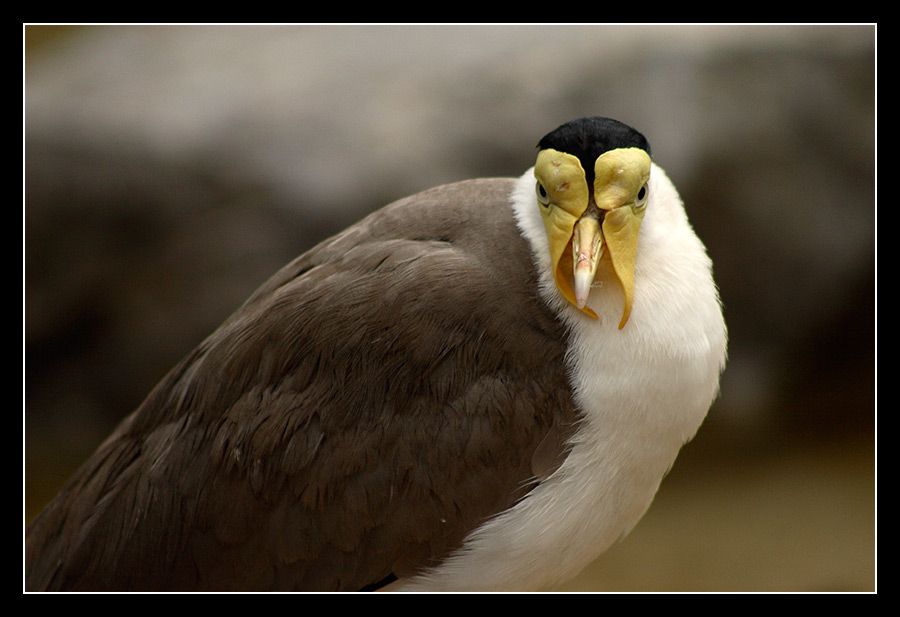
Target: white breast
x,y
643,392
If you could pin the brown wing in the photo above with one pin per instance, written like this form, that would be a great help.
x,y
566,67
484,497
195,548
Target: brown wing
x,y
367,407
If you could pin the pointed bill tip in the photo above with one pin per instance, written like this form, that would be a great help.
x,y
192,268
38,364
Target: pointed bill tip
x,y
584,278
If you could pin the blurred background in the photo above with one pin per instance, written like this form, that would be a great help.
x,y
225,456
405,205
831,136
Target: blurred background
x,y
169,170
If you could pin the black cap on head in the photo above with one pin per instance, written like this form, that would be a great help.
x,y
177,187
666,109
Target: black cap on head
x,y
588,138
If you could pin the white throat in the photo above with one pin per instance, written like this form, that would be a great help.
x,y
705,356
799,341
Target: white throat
x,y
643,391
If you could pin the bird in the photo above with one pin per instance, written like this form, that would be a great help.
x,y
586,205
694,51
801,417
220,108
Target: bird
x,y
479,387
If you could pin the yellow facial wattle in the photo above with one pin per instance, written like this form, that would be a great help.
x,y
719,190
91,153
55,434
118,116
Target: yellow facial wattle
x,y
583,223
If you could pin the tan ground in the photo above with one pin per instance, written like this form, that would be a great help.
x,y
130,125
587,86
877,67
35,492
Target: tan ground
x,y
799,522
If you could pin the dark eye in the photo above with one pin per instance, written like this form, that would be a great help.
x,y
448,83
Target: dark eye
x,y
542,194
641,199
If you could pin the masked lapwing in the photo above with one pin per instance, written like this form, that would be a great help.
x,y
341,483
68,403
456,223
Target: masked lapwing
x,y
478,387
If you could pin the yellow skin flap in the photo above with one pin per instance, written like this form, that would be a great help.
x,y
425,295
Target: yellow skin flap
x,y
618,199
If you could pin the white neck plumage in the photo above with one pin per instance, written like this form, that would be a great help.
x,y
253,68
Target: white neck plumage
x,y
642,391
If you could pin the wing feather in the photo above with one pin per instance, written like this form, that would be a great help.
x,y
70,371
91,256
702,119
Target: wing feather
x,y
366,408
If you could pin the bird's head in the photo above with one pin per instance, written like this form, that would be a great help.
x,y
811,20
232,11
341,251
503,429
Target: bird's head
x,y
592,177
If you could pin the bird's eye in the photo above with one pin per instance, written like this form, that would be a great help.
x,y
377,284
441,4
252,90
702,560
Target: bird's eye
x,y
542,195
641,200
